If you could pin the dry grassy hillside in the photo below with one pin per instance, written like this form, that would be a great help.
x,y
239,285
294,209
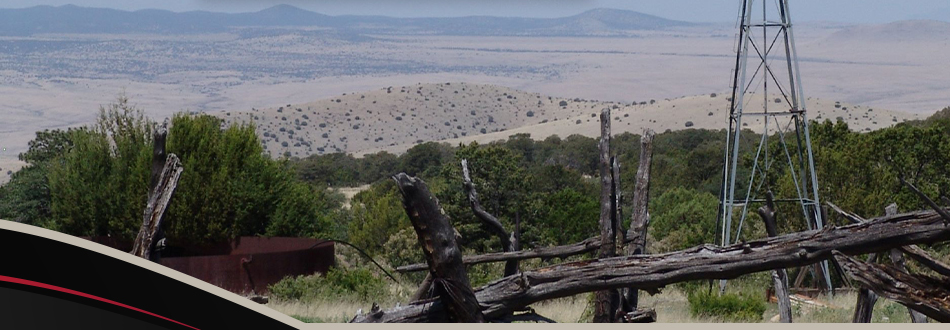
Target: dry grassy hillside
x,y
404,115
396,118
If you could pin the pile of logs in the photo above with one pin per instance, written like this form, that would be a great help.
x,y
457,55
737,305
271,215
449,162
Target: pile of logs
x,y
622,268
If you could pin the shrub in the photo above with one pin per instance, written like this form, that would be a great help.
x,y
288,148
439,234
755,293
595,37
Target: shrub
x,y
730,307
358,284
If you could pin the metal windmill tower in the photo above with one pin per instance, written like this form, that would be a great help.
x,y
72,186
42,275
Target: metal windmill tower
x,y
767,95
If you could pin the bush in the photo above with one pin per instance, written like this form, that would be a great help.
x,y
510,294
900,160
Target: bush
x,y
359,284
730,307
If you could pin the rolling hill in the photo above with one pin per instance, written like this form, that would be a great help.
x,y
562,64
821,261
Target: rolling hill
x,y
395,118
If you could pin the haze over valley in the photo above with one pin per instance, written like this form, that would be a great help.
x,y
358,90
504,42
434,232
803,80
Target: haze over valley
x,y
361,84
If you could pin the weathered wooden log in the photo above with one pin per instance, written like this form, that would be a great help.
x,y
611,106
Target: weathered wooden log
x,y
639,316
158,200
493,224
562,251
779,276
437,238
913,251
640,219
606,302
921,293
703,262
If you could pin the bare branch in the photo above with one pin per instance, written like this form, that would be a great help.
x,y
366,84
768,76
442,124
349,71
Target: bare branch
x,y
494,226
921,293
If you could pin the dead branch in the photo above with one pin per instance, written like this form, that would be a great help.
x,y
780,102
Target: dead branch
x,y
922,257
913,251
437,238
943,213
561,251
425,289
494,226
921,293
703,262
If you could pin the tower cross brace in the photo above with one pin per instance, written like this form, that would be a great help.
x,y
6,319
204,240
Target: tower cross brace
x,y
762,42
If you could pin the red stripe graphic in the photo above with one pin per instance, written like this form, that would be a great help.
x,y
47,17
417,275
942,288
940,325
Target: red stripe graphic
x,y
86,295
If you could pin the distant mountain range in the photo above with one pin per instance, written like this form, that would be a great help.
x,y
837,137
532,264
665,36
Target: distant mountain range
x,y
74,19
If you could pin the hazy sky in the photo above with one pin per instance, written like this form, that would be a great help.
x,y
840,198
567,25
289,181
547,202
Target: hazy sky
x,y
865,11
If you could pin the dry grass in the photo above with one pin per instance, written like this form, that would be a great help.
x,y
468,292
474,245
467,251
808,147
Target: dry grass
x,y
671,307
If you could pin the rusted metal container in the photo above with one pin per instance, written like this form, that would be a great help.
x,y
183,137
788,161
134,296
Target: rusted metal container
x,y
247,264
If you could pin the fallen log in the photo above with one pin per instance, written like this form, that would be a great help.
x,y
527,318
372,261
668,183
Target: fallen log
x,y
921,293
437,238
703,262
563,251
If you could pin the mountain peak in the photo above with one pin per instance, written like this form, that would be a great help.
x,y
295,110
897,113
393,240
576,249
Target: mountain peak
x,y
283,9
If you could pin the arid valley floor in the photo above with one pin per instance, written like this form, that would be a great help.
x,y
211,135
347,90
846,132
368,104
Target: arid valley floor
x,y
361,93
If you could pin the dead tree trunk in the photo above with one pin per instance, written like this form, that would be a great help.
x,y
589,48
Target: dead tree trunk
x,y
562,251
494,226
920,293
779,275
151,233
606,301
154,213
442,253
704,262
640,219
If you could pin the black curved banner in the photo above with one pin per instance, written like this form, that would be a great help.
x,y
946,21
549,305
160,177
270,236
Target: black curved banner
x,y
50,280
